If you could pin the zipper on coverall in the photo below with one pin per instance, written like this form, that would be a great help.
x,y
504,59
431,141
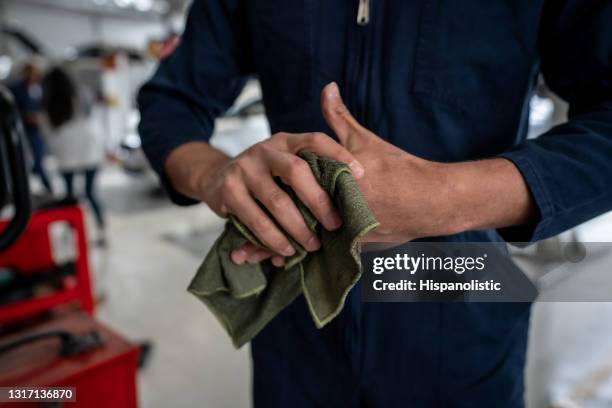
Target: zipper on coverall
x,y
363,12
360,71
356,95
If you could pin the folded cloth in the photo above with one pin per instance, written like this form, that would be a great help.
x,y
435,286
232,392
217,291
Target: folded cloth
x,y
244,298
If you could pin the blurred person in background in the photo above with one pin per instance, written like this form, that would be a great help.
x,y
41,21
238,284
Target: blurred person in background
x,y
28,95
71,139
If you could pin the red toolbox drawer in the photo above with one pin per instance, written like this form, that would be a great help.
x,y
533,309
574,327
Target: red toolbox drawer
x,y
34,250
104,377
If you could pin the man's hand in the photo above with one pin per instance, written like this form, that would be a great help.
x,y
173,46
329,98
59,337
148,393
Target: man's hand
x,y
235,186
414,198
406,193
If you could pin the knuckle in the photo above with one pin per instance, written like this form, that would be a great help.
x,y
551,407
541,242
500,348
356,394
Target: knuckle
x,y
265,148
250,152
278,200
319,138
240,166
264,230
297,168
322,200
260,225
340,109
277,243
302,234
258,150
229,186
322,205
222,210
237,168
279,136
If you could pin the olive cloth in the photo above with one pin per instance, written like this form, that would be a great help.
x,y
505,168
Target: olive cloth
x,y
246,297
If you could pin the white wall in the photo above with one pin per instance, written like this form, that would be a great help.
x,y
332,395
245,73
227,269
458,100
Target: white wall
x,y
59,29
130,33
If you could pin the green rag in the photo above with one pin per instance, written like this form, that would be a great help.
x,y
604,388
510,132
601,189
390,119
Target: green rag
x,y
244,298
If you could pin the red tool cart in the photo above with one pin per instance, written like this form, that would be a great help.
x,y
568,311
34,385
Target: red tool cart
x,y
102,377
69,349
34,251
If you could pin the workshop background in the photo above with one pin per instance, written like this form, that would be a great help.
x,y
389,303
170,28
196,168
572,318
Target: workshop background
x,y
143,258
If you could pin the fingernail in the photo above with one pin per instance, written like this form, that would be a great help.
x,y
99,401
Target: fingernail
x,y
313,244
357,169
239,256
334,221
288,251
253,259
278,261
333,92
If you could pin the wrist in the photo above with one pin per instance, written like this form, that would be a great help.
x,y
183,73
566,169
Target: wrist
x,y
459,211
437,194
204,172
192,167
487,194
450,206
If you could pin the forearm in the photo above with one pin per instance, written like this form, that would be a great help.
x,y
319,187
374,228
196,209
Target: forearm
x,y
487,194
190,165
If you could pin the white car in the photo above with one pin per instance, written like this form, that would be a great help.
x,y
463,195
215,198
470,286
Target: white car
x,y
242,126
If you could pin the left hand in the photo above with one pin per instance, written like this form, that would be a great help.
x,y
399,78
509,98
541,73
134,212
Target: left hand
x,y
408,195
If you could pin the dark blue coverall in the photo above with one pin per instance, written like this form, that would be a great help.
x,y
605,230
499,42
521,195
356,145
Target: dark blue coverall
x,y
444,80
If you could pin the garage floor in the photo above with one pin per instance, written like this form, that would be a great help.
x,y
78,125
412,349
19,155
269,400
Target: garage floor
x,y
155,248
143,275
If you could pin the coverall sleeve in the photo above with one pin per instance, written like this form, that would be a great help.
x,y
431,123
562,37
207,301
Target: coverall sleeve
x,y
196,84
569,168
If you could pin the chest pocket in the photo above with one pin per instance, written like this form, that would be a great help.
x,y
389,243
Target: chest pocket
x,y
283,47
476,55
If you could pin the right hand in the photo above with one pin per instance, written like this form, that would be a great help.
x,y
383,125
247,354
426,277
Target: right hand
x,y
236,184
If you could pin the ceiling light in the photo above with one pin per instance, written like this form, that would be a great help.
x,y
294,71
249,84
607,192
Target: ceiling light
x,y
161,6
123,3
143,5
6,63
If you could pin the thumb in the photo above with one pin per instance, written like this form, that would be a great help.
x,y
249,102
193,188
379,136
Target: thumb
x,y
337,115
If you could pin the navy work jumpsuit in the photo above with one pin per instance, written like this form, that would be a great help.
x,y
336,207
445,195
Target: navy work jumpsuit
x,y
444,80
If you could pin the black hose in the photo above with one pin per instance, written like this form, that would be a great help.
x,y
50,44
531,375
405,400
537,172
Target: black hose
x,y
71,344
12,130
